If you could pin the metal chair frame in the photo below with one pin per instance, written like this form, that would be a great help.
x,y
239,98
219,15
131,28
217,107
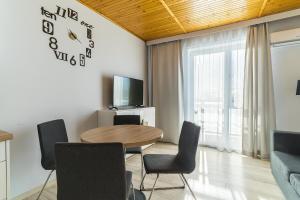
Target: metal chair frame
x,y
47,180
182,178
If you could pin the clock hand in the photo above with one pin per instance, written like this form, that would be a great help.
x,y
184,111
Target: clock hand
x,y
74,35
78,40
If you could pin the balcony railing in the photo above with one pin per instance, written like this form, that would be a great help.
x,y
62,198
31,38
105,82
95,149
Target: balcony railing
x,y
210,116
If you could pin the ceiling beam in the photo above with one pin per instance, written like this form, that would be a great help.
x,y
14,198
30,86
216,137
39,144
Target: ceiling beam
x,y
262,8
172,15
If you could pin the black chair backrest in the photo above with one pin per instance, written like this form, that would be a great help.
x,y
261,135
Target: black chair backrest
x,y
187,147
50,133
90,171
127,119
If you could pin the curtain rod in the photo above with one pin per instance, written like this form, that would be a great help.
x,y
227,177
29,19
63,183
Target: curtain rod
x,y
269,18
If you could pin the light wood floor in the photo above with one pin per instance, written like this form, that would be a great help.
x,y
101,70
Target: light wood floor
x,y
218,176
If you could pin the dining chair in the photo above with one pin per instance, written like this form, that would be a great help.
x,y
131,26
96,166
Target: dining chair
x,y
182,163
131,120
50,133
92,172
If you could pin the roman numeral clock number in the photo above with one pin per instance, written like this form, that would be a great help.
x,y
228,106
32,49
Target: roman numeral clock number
x,y
61,55
64,57
61,12
48,28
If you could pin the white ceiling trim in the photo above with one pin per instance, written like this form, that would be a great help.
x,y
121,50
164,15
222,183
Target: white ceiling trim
x,y
247,23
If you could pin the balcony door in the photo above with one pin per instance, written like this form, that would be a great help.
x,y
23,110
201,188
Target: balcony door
x,y
213,71
218,96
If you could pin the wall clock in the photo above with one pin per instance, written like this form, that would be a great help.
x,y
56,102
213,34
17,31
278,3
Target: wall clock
x,y
68,16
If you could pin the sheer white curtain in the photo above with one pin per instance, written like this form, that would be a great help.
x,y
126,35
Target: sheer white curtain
x,y
213,76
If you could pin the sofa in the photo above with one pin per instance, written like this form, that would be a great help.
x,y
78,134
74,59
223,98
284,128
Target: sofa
x,y
285,163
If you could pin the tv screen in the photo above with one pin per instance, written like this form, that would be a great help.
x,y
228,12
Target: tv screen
x,y
127,92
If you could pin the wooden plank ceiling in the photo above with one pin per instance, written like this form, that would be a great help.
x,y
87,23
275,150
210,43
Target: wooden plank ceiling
x,y
153,19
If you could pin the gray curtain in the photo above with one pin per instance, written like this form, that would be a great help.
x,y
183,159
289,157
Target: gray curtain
x,y
258,107
165,88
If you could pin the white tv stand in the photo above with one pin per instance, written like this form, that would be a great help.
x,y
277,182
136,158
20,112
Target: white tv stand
x,y
106,116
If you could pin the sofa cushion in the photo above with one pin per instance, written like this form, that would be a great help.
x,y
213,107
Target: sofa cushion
x,y
286,164
286,187
295,182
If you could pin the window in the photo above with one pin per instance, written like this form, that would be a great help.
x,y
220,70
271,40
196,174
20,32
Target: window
x,y
215,78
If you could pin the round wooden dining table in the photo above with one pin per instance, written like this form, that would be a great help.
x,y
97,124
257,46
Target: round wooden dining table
x,y
128,135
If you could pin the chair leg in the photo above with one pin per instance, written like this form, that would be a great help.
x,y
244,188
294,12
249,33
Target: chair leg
x,y
142,167
153,187
189,186
142,183
182,180
45,184
133,193
142,188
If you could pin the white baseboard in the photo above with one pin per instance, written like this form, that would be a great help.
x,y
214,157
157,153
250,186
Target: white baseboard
x,y
34,191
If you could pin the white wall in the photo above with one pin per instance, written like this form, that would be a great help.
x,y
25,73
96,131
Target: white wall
x,y
286,71
35,87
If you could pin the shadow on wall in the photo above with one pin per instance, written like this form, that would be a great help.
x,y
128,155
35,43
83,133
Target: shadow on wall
x,y
107,88
87,123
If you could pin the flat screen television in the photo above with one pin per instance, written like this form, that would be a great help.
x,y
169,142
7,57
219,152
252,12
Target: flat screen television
x,y
127,92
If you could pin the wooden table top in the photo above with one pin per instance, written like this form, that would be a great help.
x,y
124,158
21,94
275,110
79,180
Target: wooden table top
x,y
128,135
5,136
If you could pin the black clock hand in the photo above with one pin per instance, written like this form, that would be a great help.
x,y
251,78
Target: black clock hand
x,y
78,40
74,35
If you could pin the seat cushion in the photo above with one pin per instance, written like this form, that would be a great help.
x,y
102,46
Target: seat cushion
x,y
134,150
162,163
295,182
285,164
128,182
